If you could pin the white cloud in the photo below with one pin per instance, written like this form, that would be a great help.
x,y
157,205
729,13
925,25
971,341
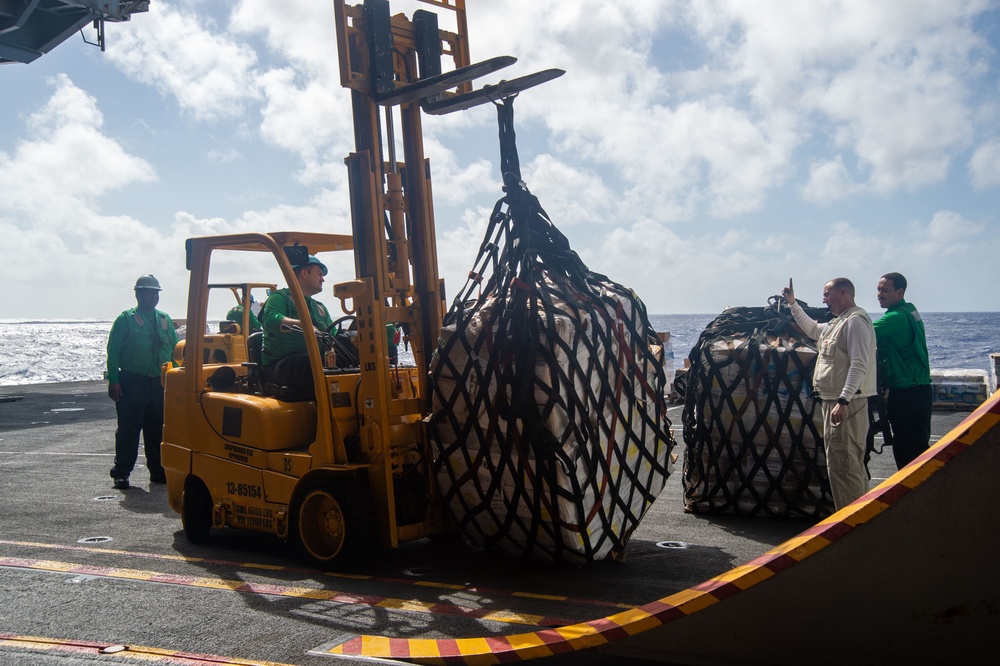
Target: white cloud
x,y
984,167
904,122
300,31
698,273
947,234
829,181
569,195
850,250
65,168
311,119
457,184
183,54
457,248
225,156
66,162
893,77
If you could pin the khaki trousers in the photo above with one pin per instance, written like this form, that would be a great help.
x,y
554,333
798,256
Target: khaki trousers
x,y
845,451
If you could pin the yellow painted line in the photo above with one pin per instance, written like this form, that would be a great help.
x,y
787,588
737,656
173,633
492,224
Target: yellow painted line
x,y
583,635
405,604
635,621
442,586
800,546
528,643
332,574
745,575
691,601
543,597
248,587
861,512
913,477
126,652
516,618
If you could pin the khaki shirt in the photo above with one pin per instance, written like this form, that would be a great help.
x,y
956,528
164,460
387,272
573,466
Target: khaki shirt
x,y
845,366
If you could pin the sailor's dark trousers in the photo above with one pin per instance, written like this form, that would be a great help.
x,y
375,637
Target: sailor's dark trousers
x,y
140,410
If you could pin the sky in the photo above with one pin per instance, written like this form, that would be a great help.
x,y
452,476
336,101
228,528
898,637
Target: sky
x,y
700,152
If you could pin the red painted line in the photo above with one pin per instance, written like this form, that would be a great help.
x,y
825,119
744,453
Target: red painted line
x,y
610,629
773,562
559,644
720,589
448,647
662,611
829,531
891,494
499,643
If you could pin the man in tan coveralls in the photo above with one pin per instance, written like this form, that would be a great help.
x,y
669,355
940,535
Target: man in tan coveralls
x,y
844,378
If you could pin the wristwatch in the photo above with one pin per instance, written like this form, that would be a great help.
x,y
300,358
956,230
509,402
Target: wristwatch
x,y
843,401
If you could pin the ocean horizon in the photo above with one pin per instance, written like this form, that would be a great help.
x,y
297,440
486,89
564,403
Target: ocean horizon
x,y
40,351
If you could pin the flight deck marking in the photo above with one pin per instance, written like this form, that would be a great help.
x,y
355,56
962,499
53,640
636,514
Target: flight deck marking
x,y
130,652
318,594
549,642
57,453
487,591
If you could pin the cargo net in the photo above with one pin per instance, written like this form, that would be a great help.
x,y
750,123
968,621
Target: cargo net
x,y
549,425
752,431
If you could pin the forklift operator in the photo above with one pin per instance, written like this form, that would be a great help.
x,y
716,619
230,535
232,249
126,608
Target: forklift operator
x,y
284,359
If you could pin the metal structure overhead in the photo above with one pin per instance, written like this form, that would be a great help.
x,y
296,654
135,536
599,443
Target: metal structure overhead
x,y
32,28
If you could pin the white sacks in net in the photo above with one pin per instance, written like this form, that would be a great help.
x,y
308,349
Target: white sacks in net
x,y
581,500
762,451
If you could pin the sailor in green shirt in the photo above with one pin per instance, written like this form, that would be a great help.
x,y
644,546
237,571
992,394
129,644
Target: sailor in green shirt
x,y
236,314
284,359
142,339
904,370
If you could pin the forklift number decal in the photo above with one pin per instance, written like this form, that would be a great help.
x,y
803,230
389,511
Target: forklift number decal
x,y
244,490
254,516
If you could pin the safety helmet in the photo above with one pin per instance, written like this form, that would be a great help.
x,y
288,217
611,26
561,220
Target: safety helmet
x,y
313,261
147,282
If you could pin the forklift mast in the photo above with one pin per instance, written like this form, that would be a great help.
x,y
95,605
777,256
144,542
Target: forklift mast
x,y
382,59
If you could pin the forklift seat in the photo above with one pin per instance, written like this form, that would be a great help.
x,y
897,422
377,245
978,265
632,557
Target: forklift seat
x,y
257,381
254,342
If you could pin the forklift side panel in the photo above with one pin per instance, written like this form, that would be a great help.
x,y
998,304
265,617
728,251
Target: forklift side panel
x,y
260,423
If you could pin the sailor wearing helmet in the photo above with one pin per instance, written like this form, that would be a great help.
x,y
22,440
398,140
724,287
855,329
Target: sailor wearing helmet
x,y
142,339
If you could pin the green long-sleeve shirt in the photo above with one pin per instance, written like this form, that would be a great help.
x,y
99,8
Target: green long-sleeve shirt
x,y
902,347
236,314
277,345
140,342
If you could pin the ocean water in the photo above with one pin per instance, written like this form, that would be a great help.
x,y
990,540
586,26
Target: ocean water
x,y
44,351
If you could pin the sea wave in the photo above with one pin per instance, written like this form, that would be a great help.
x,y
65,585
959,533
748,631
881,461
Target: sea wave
x,y
40,351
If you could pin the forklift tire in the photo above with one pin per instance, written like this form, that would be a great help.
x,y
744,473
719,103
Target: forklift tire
x,y
196,512
335,520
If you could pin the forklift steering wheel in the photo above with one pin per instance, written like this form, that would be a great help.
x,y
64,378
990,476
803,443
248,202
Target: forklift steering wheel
x,y
336,324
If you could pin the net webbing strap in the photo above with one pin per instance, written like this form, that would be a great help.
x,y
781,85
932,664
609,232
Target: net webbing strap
x,y
544,377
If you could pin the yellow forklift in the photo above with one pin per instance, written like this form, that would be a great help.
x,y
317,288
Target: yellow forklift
x,y
349,469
